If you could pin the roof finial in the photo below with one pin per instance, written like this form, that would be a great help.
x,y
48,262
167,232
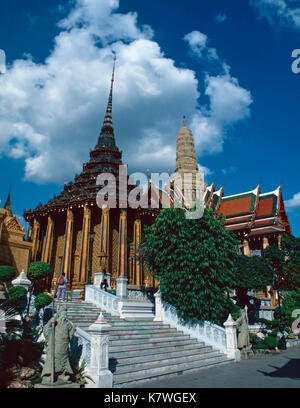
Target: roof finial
x,y
113,74
282,181
107,138
184,120
7,205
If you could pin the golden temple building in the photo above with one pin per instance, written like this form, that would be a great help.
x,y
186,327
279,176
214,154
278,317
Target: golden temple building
x,y
14,250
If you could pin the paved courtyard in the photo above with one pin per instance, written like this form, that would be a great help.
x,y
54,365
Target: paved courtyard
x,y
265,371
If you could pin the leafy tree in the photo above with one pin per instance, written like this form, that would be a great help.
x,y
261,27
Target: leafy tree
x,y
7,273
291,269
285,262
193,260
291,302
251,273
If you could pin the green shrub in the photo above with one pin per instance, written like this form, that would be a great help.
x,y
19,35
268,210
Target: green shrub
x,y
17,293
7,273
271,342
260,345
38,270
42,300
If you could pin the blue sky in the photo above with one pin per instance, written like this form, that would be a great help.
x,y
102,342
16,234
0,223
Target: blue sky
x,y
225,65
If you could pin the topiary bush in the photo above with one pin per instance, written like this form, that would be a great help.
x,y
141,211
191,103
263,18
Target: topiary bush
x,y
41,300
17,293
17,298
38,270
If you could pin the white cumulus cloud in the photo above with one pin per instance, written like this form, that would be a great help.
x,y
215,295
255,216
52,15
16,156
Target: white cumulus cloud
x,y
228,101
51,113
293,203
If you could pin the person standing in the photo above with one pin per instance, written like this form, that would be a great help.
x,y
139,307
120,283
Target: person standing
x,y
62,287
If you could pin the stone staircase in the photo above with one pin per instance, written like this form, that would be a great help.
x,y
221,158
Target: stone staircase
x,y
142,350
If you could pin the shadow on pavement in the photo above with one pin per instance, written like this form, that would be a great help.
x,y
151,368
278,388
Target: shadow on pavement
x,y
289,370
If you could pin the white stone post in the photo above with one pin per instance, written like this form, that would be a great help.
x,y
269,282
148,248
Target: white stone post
x,y
122,286
22,280
232,350
99,361
158,307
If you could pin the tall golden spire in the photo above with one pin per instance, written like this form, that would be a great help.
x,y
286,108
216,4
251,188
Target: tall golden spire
x,y
106,139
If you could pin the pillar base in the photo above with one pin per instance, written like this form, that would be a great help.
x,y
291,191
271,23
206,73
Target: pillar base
x,y
102,379
235,354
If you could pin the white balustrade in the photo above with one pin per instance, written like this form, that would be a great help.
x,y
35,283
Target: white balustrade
x,y
218,337
105,300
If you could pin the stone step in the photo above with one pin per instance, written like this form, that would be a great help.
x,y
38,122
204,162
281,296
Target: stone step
x,y
155,363
195,351
149,351
120,326
155,334
129,379
147,341
154,345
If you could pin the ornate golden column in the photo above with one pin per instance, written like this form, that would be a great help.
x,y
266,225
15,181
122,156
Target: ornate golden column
x,y
265,242
137,267
68,244
30,232
246,247
279,241
84,256
35,239
122,253
104,237
47,247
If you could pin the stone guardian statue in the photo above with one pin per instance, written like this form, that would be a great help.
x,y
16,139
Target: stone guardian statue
x,y
243,330
58,333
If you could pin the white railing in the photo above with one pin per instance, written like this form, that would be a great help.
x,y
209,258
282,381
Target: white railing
x,y
84,344
207,332
223,339
118,306
107,301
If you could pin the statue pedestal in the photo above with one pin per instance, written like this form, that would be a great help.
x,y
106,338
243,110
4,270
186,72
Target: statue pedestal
x,y
246,354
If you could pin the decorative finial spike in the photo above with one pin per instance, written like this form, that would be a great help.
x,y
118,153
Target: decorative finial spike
x,y
184,120
7,205
282,181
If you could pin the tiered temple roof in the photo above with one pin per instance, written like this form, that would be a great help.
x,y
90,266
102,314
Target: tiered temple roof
x,y
104,158
251,212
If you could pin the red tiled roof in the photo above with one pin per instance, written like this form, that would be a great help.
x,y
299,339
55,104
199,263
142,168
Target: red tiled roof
x,y
266,206
235,206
